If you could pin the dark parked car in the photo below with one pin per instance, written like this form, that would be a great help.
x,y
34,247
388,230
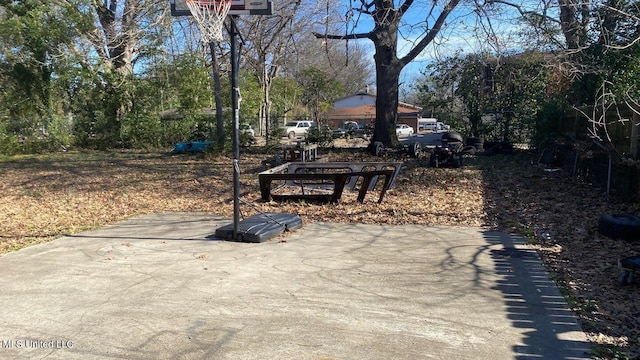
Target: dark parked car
x,y
351,129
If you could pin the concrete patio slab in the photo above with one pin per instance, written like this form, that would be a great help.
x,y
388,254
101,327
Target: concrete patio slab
x,y
160,287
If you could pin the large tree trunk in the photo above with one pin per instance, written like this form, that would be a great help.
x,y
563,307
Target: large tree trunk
x,y
387,80
574,21
388,69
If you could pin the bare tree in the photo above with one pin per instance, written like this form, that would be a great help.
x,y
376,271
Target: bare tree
x,y
118,37
120,30
267,40
568,18
387,18
346,62
595,45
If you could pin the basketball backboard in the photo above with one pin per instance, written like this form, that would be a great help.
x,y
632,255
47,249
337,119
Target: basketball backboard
x,y
238,7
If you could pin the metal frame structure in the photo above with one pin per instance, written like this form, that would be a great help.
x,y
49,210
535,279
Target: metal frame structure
x,y
238,7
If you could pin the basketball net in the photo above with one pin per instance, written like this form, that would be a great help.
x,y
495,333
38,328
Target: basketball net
x,y
209,15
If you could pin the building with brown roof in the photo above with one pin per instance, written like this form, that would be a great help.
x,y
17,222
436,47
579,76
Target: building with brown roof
x,y
361,109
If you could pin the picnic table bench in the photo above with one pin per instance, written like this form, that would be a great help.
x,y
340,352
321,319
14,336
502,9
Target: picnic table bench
x,y
325,182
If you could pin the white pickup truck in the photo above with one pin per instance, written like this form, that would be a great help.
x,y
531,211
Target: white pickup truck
x,y
432,124
296,129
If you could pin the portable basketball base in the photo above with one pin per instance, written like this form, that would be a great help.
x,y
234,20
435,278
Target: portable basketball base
x,y
262,227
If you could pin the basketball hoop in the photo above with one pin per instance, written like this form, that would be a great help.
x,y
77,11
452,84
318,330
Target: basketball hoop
x,y
210,15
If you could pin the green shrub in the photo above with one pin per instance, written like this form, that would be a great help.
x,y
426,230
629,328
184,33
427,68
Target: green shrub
x,y
320,135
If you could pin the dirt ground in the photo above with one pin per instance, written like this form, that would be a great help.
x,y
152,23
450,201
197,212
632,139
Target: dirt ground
x,y
47,196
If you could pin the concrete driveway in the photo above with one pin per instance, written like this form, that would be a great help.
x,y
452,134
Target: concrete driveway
x,y
160,287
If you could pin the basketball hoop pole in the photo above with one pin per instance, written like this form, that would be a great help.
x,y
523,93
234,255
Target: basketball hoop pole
x,y
210,16
235,102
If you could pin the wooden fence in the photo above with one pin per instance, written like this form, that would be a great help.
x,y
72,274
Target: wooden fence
x,y
609,161
615,127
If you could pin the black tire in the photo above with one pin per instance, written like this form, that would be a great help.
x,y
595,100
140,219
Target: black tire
x,y
414,150
469,150
455,145
476,142
291,135
376,148
620,226
452,136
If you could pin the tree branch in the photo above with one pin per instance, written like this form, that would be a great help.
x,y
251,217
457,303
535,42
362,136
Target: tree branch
x,y
342,37
428,38
404,7
523,12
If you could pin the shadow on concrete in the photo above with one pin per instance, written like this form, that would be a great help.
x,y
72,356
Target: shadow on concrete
x,y
532,298
156,229
534,302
